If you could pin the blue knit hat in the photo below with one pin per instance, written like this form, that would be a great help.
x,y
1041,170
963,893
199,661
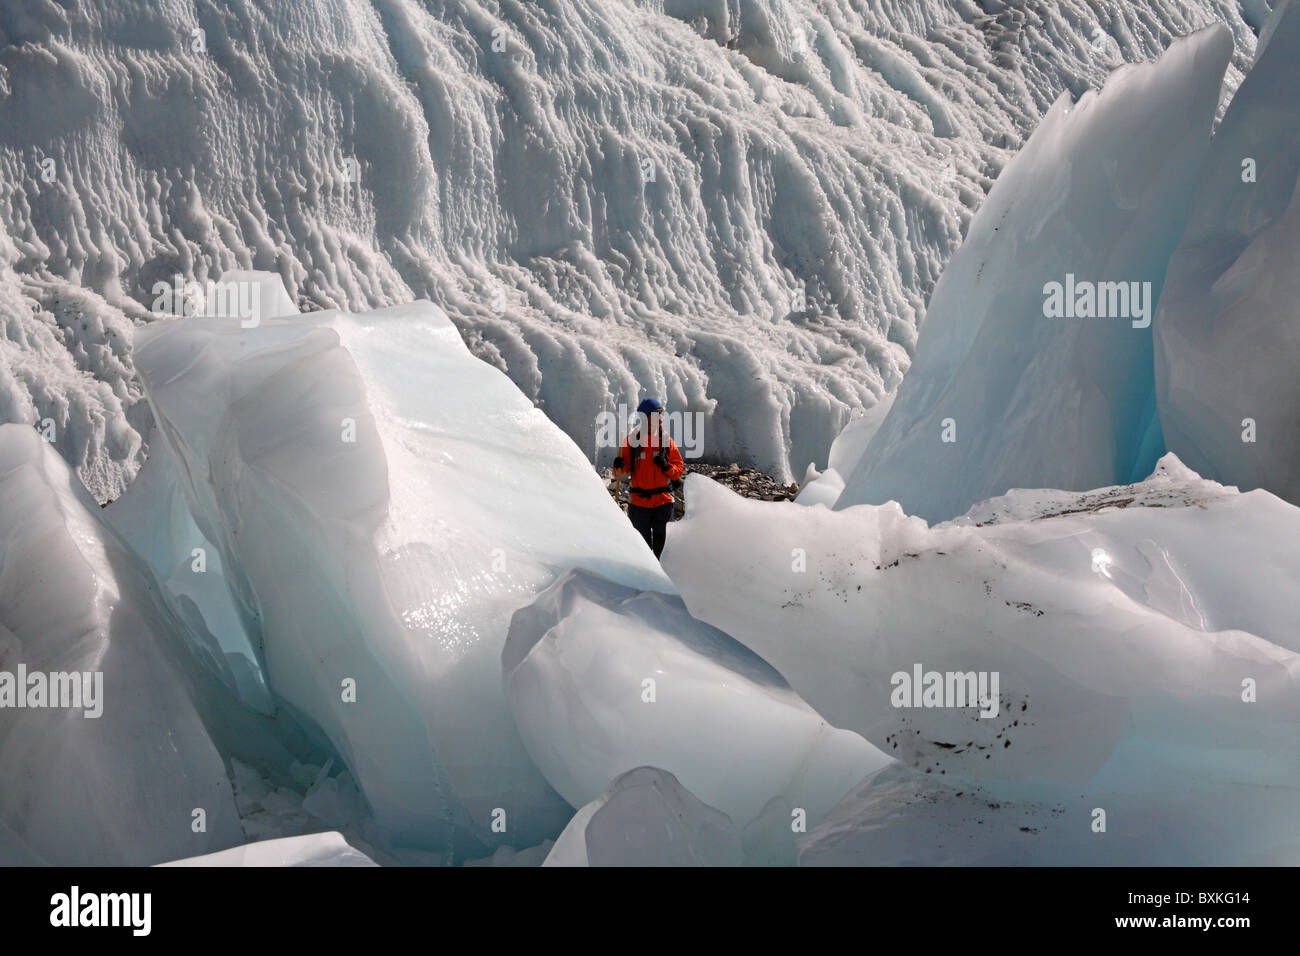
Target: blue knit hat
x,y
650,405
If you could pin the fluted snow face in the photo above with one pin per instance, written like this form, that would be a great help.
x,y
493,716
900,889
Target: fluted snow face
x,y
738,205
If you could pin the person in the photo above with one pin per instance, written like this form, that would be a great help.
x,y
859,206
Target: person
x,y
654,463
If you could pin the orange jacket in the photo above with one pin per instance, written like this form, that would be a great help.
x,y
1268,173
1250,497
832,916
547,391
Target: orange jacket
x,y
648,476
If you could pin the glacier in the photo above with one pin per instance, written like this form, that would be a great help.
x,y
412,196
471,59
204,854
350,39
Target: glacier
x,y
1001,395
603,678
387,510
143,781
1143,637
154,519
740,207
357,592
381,502
647,818
318,849
1227,332
826,486
380,565
900,817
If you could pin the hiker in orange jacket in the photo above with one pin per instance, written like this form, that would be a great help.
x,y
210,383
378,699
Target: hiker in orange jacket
x,y
653,461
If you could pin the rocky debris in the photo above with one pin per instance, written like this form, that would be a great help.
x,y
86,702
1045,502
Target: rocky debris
x,y
746,482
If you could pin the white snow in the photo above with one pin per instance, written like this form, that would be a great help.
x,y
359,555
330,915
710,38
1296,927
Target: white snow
x,y
496,160
65,367
603,678
1002,396
1228,328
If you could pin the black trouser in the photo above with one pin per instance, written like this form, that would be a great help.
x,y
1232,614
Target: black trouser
x,y
652,523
